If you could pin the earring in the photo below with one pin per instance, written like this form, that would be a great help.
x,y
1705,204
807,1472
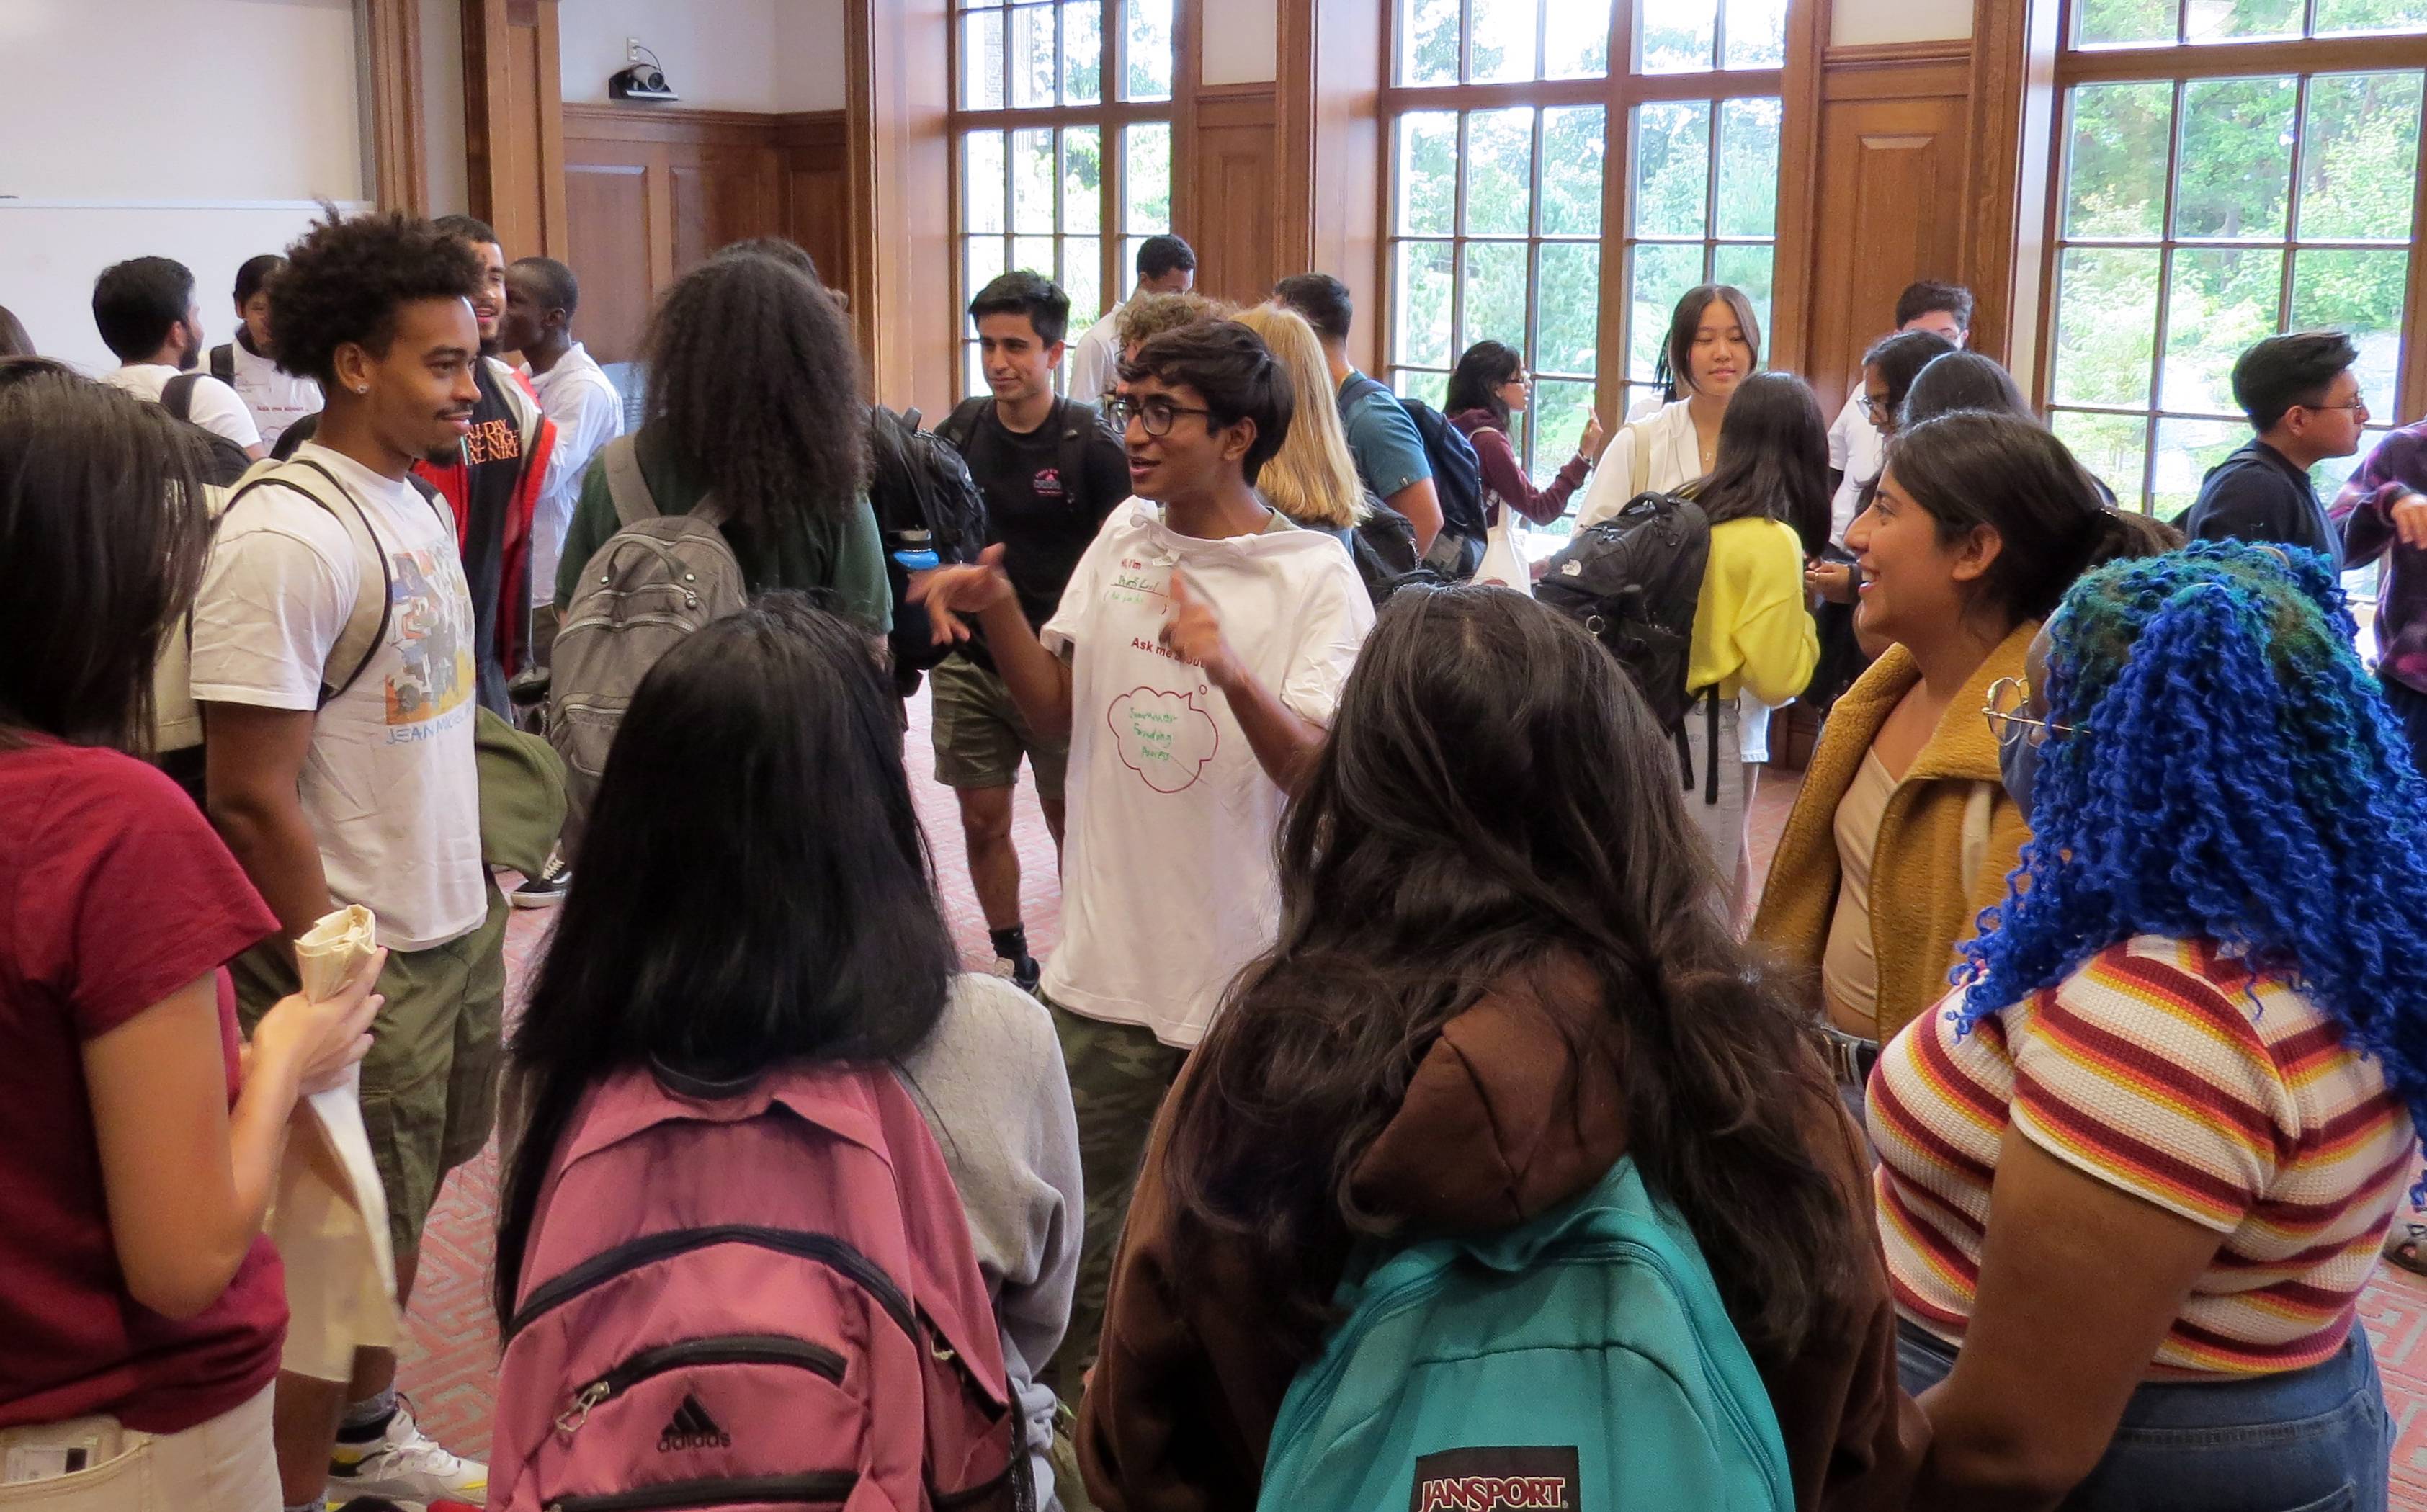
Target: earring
x,y
361,388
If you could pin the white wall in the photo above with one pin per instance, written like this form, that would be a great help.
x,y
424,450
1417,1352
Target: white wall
x,y
1854,22
810,55
180,100
1239,41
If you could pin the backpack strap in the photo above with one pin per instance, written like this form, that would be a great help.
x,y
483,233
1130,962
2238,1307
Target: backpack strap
x,y
957,426
625,484
1357,388
223,364
177,396
366,622
1082,422
1638,457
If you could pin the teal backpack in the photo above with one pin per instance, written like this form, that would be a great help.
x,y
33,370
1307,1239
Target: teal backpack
x,y
1580,1363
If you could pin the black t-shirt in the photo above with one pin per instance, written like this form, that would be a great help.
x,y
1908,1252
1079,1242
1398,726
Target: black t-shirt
x,y
1044,520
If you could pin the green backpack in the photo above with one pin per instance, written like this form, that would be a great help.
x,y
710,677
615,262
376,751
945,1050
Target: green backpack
x,y
1580,1363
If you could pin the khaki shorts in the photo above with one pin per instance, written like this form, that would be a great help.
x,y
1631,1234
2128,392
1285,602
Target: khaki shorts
x,y
980,736
430,1084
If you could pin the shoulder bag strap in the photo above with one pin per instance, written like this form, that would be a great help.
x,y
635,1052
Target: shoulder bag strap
x,y
1639,458
625,485
366,623
177,396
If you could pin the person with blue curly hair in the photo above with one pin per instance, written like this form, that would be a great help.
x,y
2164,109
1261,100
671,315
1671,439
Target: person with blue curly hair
x,y
2136,1167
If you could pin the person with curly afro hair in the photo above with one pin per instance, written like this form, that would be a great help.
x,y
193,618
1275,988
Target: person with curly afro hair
x,y
2136,1168
333,662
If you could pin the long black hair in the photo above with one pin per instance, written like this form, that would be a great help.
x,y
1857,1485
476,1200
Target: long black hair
x,y
2010,474
753,380
1496,803
1476,383
753,886
1774,460
102,529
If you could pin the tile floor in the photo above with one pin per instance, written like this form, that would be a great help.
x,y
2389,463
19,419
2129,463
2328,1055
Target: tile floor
x,y
449,1365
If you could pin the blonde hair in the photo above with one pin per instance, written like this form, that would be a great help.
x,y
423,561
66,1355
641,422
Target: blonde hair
x,y
1313,479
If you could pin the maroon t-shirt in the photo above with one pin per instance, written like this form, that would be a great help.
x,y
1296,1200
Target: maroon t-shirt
x,y
114,893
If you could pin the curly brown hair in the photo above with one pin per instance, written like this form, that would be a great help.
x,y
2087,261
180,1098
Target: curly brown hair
x,y
755,381
345,280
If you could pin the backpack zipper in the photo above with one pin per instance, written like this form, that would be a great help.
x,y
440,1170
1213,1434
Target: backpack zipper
x,y
824,1486
729,1349
823,1248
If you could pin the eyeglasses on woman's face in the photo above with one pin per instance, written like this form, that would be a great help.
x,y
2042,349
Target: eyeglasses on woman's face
x,y
1154,413
2009,701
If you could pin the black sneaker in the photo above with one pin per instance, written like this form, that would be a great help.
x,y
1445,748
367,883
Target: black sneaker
x,y
547,889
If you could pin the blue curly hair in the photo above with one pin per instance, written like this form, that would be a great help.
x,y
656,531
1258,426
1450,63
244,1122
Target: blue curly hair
x,y
2233,775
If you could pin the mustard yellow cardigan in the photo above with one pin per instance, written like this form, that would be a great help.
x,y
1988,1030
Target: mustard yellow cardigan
x,y
1948,839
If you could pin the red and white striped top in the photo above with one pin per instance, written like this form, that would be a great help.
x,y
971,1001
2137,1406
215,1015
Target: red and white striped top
x,y
2169,1072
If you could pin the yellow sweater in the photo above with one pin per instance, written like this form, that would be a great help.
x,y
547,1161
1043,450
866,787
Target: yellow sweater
x,y
1750,628
1921,907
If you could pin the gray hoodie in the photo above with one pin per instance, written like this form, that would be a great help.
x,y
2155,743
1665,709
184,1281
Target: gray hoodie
x,y
990,1081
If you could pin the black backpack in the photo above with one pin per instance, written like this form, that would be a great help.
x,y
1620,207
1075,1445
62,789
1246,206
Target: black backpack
x,y
1458,480
228,461
1633,580
223,364
929,513
1383,546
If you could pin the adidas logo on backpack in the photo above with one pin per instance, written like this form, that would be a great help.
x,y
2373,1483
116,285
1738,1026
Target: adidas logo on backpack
x,y
692,1428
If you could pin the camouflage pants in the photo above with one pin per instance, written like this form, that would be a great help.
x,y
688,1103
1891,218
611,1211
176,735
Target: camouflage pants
x,y
430,1084
1118,1074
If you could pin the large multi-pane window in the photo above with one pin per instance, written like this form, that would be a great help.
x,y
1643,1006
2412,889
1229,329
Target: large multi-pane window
x,y
1506,119
2227,169
1064,134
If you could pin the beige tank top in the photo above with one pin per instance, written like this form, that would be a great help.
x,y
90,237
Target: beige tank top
x,y
1849,969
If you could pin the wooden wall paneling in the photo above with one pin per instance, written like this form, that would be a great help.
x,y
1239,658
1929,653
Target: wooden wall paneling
x,y
1995,188
1889,208
895,60
1235,159
1347,222
723,195
513,122
1799,177
613,229
388,36
817,190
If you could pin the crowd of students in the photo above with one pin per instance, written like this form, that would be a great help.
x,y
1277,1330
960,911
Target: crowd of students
x,y
2033,1137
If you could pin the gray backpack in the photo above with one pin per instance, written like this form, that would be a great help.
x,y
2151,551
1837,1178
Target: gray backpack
x,y
658,578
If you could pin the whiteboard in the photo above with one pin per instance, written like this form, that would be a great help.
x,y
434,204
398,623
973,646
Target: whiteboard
x,y
52,250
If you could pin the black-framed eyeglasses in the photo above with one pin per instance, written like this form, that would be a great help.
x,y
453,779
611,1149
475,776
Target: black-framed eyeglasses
x,y
2358,403
1874,408
2008,697
1155,414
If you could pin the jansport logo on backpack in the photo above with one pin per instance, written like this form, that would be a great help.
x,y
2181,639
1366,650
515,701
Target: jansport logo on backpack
x,y
1591,1342
1496,1480
1634,580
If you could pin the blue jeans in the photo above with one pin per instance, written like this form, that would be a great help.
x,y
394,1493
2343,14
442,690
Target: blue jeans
x,y
2312,1440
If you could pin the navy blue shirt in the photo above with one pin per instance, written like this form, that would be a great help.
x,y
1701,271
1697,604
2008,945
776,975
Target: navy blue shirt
x,y
2258,494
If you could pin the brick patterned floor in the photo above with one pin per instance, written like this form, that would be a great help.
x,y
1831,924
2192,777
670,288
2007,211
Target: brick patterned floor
x,y
449,1360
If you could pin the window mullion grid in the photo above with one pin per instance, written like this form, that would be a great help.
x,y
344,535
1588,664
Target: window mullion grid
x,y
1534,286
1711,201
1542,41
2410,388
1466,41
2160,337
2292,204
1457,246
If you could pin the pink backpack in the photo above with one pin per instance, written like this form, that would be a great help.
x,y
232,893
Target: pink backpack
x,y
764,1301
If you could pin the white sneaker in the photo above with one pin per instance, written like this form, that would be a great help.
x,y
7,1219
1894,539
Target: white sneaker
x,y
406,1464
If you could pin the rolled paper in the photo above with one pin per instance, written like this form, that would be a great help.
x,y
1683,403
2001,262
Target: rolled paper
x,y
329,952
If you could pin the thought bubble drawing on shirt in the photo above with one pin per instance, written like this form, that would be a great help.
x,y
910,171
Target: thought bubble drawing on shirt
x,y
1162,737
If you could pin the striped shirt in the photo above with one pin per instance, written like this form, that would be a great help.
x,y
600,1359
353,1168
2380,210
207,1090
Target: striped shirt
x,y
2173,1074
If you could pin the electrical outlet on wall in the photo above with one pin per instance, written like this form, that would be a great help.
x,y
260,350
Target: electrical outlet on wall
x,y
631,49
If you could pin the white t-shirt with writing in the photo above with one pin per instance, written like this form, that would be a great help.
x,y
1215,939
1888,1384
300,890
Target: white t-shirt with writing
x,y
213,405
1168,884
388,785
277,399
